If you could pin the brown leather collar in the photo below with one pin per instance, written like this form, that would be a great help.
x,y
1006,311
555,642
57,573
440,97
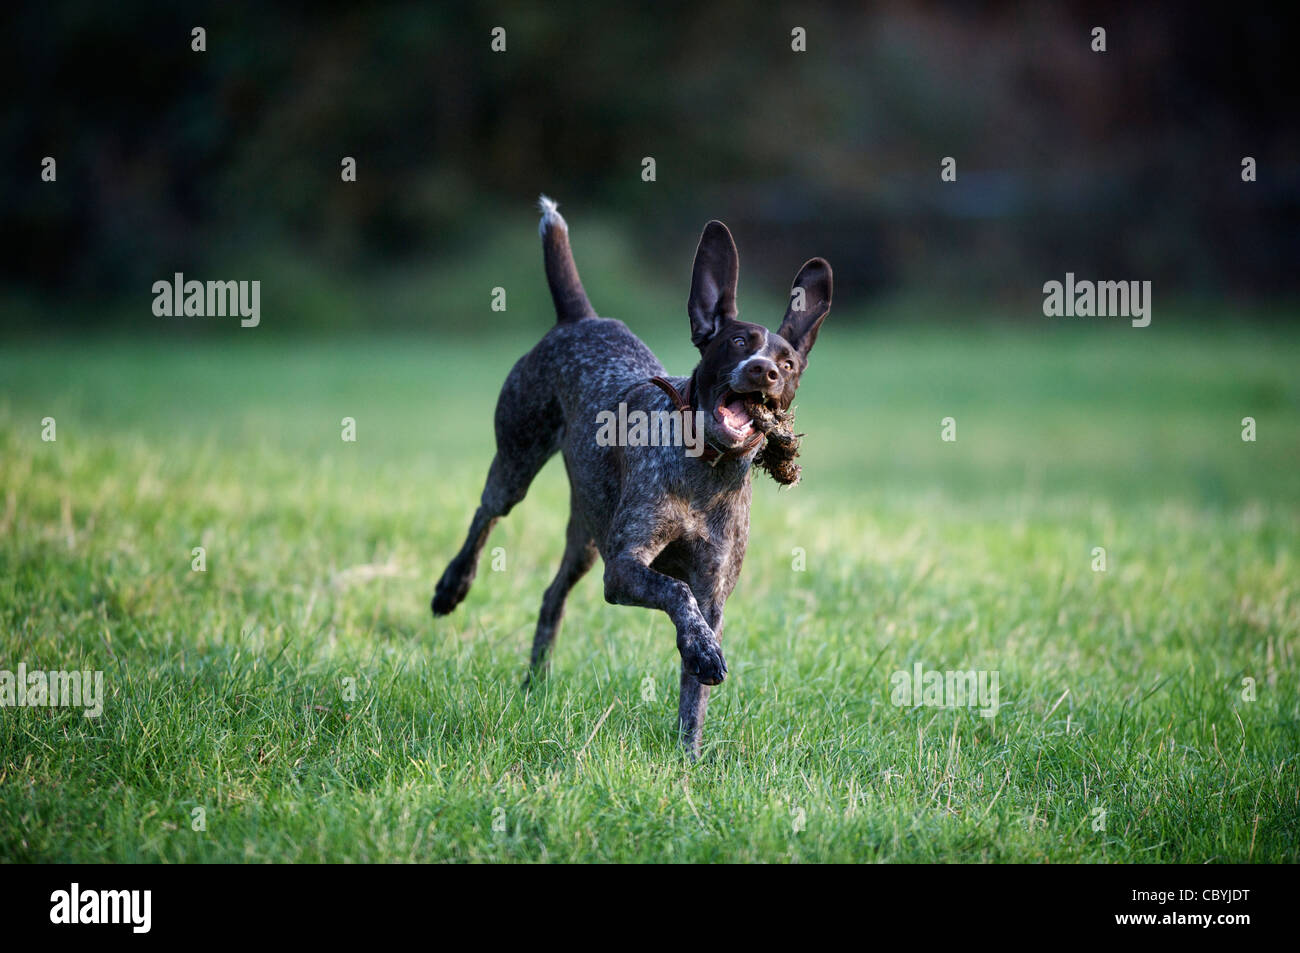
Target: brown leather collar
x,y
711,454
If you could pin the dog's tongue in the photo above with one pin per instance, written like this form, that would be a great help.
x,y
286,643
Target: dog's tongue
x,y
734,415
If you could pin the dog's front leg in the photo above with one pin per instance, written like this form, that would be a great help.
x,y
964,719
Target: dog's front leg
x,y
629,581
693,700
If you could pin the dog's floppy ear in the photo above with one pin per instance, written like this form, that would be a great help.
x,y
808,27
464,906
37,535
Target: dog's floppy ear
x,y
810,302
713,283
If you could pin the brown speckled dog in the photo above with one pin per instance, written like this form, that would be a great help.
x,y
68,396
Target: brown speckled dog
x,y
670,526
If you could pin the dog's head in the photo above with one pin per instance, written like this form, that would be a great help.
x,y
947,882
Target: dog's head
x,y
743,363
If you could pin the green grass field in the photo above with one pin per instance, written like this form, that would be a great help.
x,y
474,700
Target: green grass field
x,y
1123,733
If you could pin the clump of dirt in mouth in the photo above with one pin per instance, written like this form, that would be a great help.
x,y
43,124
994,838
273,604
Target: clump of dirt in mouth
x,y
782,446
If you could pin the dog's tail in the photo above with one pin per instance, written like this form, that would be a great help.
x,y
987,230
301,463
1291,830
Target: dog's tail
x,y
561,273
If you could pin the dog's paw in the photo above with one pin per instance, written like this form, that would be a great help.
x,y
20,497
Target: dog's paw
x,y
451,590
445,601
702,656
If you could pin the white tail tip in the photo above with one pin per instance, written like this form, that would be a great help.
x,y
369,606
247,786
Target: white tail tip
x,y
550,215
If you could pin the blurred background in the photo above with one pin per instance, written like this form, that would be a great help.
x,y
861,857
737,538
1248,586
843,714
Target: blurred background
x,y
226,163
377,295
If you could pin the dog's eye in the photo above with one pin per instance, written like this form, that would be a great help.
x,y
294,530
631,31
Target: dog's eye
x,y
788,365
738,341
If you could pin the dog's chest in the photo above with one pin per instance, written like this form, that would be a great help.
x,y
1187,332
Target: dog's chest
x,y
711,526
706,545
695,526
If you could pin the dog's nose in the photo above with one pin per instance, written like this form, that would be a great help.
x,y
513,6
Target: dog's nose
x,y
761,374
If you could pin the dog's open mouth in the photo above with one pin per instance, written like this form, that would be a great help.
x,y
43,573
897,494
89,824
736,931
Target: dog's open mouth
x,y
736,412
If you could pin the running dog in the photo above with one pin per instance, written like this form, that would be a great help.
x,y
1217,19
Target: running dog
x,y
671,523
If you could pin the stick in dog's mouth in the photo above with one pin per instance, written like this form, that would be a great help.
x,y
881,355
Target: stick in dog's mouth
x,y
779,451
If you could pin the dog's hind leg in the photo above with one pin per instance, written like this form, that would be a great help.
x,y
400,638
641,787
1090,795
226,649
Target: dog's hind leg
x,y
579,557
527,436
